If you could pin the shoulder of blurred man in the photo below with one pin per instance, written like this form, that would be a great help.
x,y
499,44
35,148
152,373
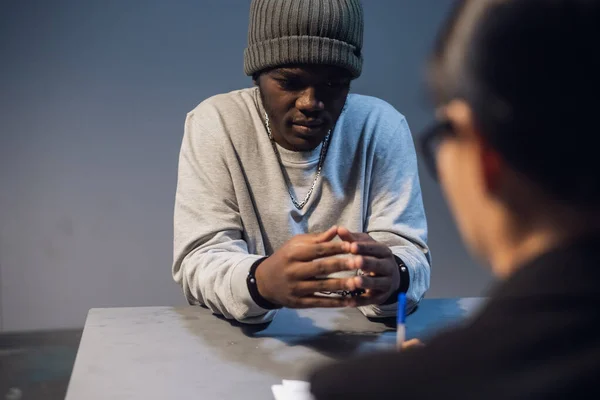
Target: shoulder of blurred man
x,y
517,344
469,362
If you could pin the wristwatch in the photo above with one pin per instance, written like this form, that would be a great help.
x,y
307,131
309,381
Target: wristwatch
x,y
404,282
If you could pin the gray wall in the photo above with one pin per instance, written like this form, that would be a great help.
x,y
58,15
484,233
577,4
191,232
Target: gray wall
x,y
93,96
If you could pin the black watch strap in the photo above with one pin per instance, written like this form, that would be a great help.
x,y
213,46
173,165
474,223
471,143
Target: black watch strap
x,y
253,288
404,282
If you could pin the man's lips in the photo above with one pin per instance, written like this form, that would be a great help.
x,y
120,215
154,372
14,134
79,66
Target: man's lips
x,y
315,123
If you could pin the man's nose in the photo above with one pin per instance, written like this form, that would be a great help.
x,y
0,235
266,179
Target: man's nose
x,y
309,101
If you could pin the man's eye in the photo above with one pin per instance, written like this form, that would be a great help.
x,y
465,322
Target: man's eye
x,y
290,84
337,84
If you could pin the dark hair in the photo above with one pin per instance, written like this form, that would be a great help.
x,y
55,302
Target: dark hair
x,y
530,70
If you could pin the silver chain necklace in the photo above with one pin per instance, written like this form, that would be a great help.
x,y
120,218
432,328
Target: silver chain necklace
x,y
324,147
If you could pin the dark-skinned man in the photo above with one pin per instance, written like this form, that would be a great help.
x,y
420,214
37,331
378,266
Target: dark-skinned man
x,y
272,177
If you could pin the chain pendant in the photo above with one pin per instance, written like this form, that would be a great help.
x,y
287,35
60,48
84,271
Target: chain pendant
x,y
325,145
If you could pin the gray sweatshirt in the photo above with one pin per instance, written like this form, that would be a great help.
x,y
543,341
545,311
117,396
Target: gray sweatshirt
x,y
232,204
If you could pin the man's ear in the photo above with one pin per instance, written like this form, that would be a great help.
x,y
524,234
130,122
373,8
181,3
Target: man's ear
x,y
490,162
491,166
255,78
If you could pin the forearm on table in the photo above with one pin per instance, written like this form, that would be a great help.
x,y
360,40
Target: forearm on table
x,y
218,281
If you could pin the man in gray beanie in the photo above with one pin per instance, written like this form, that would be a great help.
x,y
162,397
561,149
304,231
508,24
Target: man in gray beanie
x,y
294,193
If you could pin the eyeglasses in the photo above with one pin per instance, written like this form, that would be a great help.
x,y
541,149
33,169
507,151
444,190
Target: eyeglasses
x,y
430,141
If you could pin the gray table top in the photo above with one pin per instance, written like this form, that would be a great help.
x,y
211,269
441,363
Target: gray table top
x,y
164,352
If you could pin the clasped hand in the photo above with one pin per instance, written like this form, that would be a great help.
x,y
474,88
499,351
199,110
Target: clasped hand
x,y
289,277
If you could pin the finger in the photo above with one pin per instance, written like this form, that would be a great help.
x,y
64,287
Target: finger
x,y
310,251
375,284
323,266
375,266
345,234
319,302
304,288
327,235
370,248
412,343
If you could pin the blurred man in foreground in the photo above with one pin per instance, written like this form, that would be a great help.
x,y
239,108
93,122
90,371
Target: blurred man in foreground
x,y
516,84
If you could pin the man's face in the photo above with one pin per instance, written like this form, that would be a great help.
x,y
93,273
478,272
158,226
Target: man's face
x,y
303,102
467,175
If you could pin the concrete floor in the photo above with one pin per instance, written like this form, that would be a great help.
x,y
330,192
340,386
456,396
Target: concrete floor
x,y
37,365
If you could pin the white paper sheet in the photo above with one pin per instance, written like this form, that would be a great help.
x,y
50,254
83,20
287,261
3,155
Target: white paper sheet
x,y
292,390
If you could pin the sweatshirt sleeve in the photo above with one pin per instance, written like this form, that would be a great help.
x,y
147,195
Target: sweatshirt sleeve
x,y
211,257
396,215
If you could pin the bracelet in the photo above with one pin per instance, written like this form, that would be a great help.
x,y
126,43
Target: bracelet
x,y
253,288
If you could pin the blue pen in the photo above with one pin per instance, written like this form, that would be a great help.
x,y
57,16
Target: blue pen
x,y
401,319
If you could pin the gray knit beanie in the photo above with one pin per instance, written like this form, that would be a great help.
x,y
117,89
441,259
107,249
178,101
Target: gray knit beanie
x,y
304,32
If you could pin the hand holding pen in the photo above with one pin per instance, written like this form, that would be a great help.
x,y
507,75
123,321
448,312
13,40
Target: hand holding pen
x,y
401,342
